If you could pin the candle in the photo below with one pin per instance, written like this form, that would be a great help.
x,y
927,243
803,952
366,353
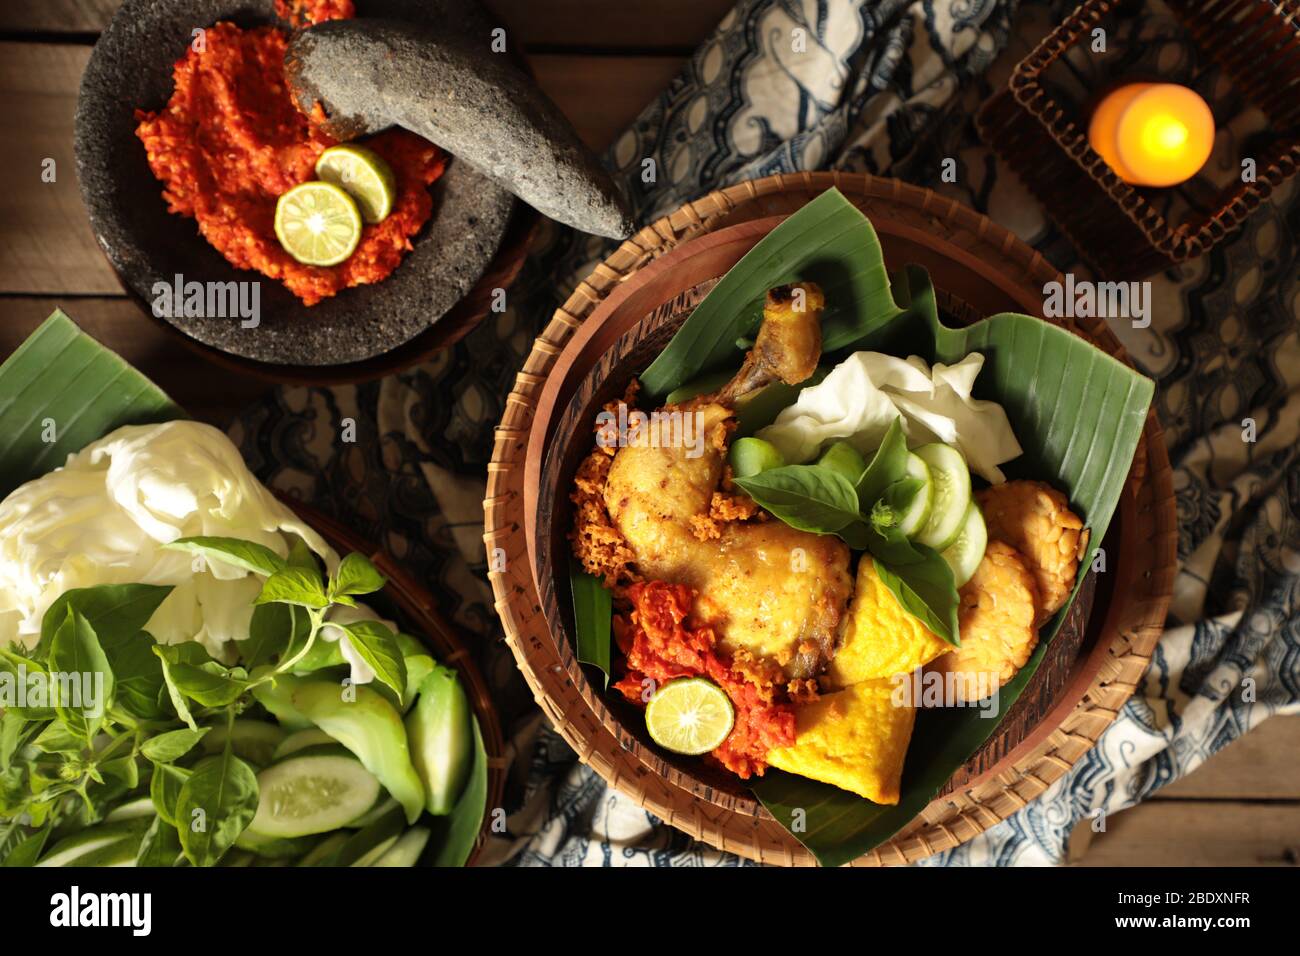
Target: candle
x,y
1153,134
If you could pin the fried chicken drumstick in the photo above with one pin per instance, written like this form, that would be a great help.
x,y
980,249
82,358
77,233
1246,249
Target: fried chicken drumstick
x,y
769,590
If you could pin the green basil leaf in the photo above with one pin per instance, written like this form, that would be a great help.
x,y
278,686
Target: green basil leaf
x,y
57,738
165,789
926,590
294,586
161,845
138,676
208,682
377,646
356,575
125,770
247,555
888,465
216,805
117,612
301,556
269,634
81,682
18,672
593,614
29,850
172,745
807,497
12,726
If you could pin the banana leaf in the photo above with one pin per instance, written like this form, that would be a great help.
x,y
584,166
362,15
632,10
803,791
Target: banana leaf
x,y
62,390
1077,412
829,242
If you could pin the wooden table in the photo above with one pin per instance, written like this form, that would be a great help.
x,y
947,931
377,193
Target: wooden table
x,y
601,62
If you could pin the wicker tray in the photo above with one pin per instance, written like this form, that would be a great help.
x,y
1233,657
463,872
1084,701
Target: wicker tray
x,y
1098,687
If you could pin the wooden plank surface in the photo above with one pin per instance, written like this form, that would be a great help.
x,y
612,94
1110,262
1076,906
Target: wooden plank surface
x,y
47,245
1263,765
206,392
1199,833
580,24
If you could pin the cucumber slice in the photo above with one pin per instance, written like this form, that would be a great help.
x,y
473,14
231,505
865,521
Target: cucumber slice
x,y
139,807
71,850
919,513
299,740
440,731
305,795
383,832
406,851
373,855
381,807
750,456
951,480
251,740
273,848
322,851
845,459
965,554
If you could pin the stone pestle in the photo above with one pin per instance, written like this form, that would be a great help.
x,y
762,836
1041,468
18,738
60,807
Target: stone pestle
x,y
452,89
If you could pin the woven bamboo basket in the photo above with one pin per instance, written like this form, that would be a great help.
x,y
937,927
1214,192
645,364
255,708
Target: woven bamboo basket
x,y
1133,620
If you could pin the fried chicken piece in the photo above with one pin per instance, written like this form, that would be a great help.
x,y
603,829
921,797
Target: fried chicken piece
x,y
765,587
998,622
1036,520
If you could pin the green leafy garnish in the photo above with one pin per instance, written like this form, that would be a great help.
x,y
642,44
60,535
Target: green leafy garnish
x,y
593,609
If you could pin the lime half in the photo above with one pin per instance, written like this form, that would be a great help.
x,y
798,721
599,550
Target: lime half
x,y
689,716
364,175
318,224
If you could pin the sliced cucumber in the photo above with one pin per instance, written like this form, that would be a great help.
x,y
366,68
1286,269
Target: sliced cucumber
x,y
406,851
919,513
360,845
139,807
845,459
273,848
299,740
314,794
951,480
320,854
965,554
440,731
750,456
251,740
381,807
375,853
71,850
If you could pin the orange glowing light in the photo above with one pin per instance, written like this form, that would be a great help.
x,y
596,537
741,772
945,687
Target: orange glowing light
x,y
1153,134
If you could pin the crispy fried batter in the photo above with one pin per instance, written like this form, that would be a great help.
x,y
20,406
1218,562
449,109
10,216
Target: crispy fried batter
x,y
1036,520
998,625
724,507
596,542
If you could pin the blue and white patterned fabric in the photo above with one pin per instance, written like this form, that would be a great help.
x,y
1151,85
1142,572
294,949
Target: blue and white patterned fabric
x,y
890,87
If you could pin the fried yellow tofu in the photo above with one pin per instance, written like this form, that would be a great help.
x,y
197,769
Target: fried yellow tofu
x,y
880,639
855,739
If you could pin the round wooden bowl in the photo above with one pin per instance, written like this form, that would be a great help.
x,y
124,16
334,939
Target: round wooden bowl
x,y
413,607
1132,597
573,439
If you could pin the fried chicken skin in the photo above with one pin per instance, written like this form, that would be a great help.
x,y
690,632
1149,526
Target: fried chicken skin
x,y
768,589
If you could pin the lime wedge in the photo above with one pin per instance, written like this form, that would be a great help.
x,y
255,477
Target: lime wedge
x,y
689,716
318,224
364,175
